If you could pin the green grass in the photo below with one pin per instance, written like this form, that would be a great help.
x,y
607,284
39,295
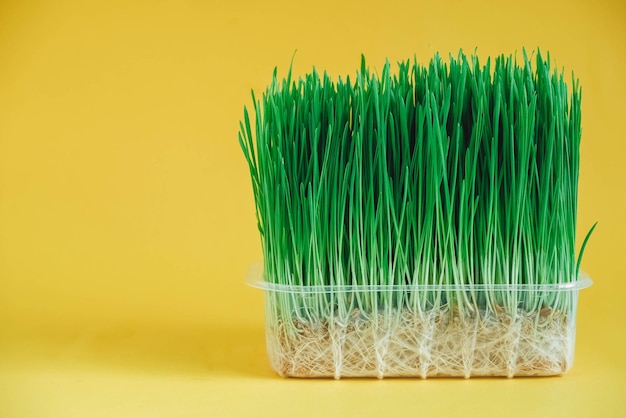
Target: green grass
x,y
450,179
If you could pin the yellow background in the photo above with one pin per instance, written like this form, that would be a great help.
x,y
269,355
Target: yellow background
x,y
126,212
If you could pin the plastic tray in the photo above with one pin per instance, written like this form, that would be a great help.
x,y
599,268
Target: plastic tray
x,y
420,331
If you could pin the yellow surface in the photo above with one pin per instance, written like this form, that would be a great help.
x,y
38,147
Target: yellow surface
x,y
126,212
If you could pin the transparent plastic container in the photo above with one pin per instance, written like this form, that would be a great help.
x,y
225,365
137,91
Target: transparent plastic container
x,y
420,331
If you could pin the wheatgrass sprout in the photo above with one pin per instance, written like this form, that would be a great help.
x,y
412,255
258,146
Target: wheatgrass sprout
x,y
419,222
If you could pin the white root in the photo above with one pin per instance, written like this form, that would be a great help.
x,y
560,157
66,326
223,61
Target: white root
x,y
426,344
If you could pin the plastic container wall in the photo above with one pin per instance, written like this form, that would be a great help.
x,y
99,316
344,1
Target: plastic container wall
x,y
421,331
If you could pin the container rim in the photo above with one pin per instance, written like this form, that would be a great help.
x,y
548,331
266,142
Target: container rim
x,y
255,279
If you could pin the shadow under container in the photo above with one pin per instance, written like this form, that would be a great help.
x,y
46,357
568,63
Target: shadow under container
x,y
421,330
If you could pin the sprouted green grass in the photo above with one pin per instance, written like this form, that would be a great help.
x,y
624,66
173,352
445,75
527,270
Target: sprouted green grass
x,y
454,182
